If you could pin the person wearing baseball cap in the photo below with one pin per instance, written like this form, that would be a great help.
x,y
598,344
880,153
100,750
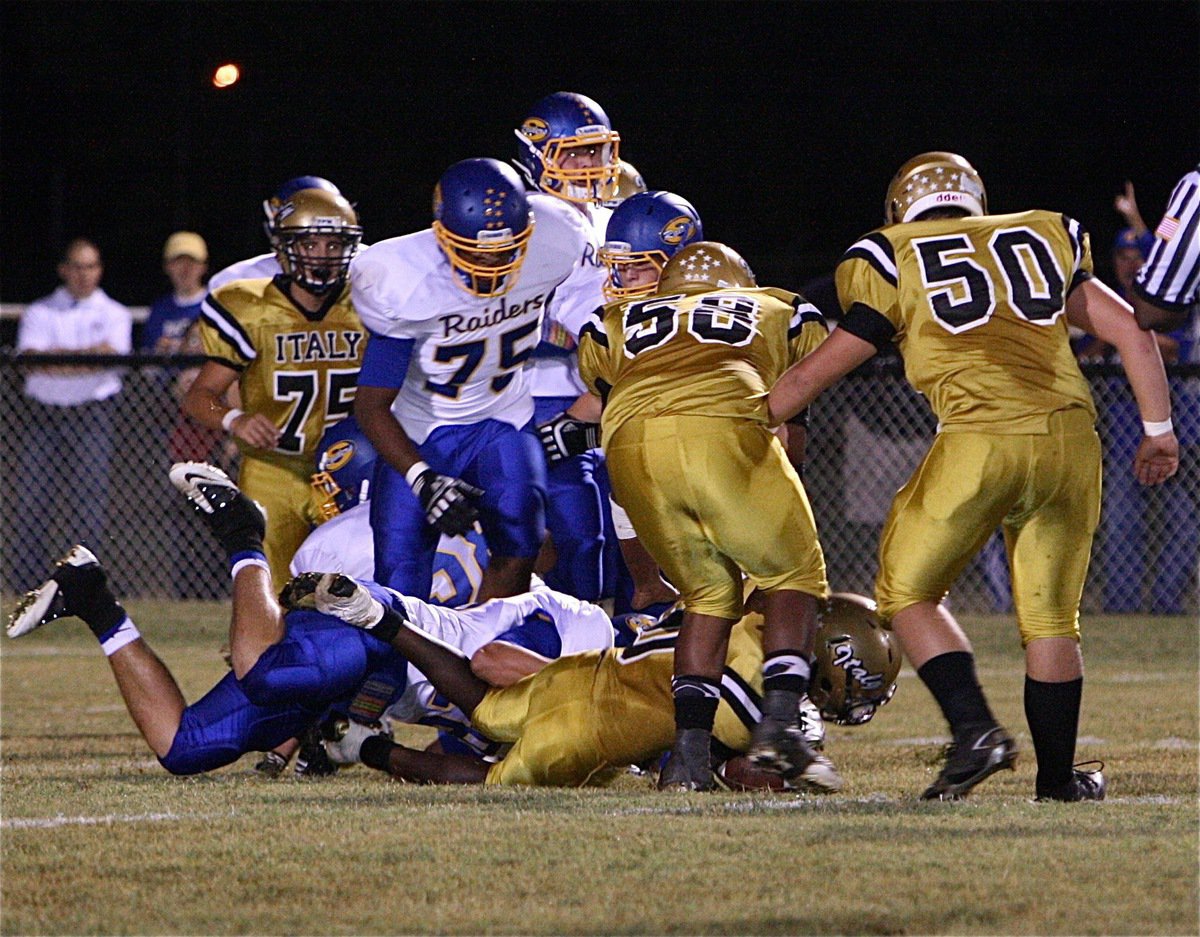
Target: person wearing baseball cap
x,y
185,262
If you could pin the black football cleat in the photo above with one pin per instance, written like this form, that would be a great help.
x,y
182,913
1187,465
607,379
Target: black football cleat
x,y
781,748
1083,785
689,765
77,579
976,753
237,522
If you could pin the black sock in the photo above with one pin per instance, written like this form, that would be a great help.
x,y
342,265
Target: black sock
x,y
96,604
696,700
781,705
952,681
1052,711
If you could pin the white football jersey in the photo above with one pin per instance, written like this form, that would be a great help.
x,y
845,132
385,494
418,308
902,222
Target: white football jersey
x,y
342,544
252,268
579,296
469,352
581,626
345,544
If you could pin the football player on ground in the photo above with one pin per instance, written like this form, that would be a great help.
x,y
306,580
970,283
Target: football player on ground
x,y
978,306
288,669
454,313
342,540
293,344
584,718
684,374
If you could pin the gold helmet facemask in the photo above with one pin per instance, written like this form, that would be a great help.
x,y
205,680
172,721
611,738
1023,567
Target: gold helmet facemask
x,y
316,234
582,184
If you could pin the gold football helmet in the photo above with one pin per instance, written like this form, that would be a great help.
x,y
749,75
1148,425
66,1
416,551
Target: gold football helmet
x,y
934,180
316,234
629,182
705,265
857,660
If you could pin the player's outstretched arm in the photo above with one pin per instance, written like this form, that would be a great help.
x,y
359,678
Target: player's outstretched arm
x,y
1099,311
803,382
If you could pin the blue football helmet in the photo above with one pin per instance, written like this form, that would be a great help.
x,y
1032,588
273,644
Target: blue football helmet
x,y
345,463
647,228
563,125
272,205
482,221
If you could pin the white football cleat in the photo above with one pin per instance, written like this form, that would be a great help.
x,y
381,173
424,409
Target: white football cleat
x,y
77,572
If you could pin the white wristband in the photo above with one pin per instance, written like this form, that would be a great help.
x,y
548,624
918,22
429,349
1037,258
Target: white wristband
x,y
1159,428
229,417
411,475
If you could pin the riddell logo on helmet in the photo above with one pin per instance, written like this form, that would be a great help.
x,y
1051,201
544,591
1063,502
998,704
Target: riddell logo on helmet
x,y
949,197
535,129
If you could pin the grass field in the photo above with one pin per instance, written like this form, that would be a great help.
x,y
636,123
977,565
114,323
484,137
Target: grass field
x,y
97,838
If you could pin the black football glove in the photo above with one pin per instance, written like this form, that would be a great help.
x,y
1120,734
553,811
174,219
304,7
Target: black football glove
x,y
565,436
446,502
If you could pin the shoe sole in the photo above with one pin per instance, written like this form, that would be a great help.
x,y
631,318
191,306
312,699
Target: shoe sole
x,y
188,476
30,613
962,788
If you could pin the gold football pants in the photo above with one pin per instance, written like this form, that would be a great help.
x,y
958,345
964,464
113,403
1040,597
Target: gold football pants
x,y
287,497
1044,490
712,497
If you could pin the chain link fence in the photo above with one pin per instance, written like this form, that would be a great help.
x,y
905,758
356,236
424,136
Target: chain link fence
x,y
866,436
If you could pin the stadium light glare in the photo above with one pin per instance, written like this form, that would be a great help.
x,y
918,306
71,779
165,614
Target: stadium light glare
x,y
227,75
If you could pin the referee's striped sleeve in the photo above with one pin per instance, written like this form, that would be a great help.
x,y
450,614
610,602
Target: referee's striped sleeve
x,y
1171,275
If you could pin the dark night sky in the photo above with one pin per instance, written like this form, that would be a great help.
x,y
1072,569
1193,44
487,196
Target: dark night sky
x,y
781,122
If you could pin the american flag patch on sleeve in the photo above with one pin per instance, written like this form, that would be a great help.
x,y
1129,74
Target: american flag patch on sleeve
x,y
1167,228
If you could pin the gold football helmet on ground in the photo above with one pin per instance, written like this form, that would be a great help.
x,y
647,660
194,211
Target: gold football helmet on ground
x,y
316,234
857,660
934,180
705,265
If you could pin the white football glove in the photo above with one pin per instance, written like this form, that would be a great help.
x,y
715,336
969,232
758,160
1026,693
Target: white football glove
x,y
344,749
358,607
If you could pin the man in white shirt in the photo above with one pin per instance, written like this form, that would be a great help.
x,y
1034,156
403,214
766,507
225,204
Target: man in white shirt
x,y
64,458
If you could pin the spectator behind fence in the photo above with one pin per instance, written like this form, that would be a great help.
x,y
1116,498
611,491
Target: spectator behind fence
x,y
185,262
68,432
